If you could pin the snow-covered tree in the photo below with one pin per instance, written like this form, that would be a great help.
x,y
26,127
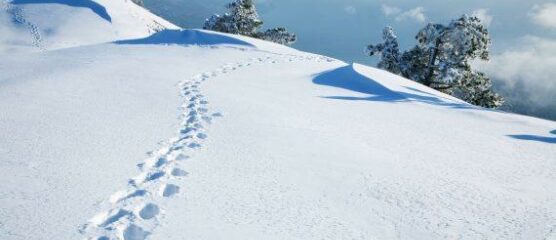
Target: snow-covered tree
x,y
219,23
413,64
278,35
243,19
475,88
442,59
451,48
388,50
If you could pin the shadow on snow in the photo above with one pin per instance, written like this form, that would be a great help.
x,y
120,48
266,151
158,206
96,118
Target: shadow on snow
x,y
187,37
95,7
348,78
535,138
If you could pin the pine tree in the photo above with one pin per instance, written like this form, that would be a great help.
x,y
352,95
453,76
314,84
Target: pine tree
x,y
441,59
450,50
219,23
278,35
475,88
413,64
388,50
243,19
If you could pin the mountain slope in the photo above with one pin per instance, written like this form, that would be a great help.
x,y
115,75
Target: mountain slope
x,y
246,139
54,24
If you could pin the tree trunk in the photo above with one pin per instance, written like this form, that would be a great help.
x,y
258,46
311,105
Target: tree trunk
x,y
432,59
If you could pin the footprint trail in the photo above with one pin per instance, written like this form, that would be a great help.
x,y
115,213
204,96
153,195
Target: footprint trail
x,y
135,212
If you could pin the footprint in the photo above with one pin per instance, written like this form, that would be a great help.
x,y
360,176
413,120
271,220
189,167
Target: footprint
x,y
149,211
123,195
192,119
192,113
169,190
177,146
181,157
134,232
149,163
194,145
160,162
179,172
207,119
188,130
106,218
201,136
154,176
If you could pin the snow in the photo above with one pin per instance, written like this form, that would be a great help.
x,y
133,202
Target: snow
x,y
200,135
56,24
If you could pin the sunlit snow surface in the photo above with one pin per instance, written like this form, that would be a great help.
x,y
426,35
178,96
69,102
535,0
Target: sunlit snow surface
x,y
188,134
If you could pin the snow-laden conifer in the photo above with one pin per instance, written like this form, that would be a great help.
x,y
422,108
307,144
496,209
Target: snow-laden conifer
x,y
278,35
388,50
442,59
242,18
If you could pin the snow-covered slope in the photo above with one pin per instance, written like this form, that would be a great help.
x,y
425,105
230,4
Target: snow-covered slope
x,y
53,24
189,134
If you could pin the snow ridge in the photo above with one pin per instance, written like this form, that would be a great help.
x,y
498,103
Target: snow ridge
x,y
134,213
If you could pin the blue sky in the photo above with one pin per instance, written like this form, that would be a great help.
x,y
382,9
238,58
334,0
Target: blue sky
x,y
523,64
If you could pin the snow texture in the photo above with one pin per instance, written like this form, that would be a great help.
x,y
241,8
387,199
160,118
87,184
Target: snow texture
x,y
201,135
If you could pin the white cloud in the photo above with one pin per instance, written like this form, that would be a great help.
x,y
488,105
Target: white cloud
x,y
389,10
351,10
483,15
528,69
544,15
417,14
